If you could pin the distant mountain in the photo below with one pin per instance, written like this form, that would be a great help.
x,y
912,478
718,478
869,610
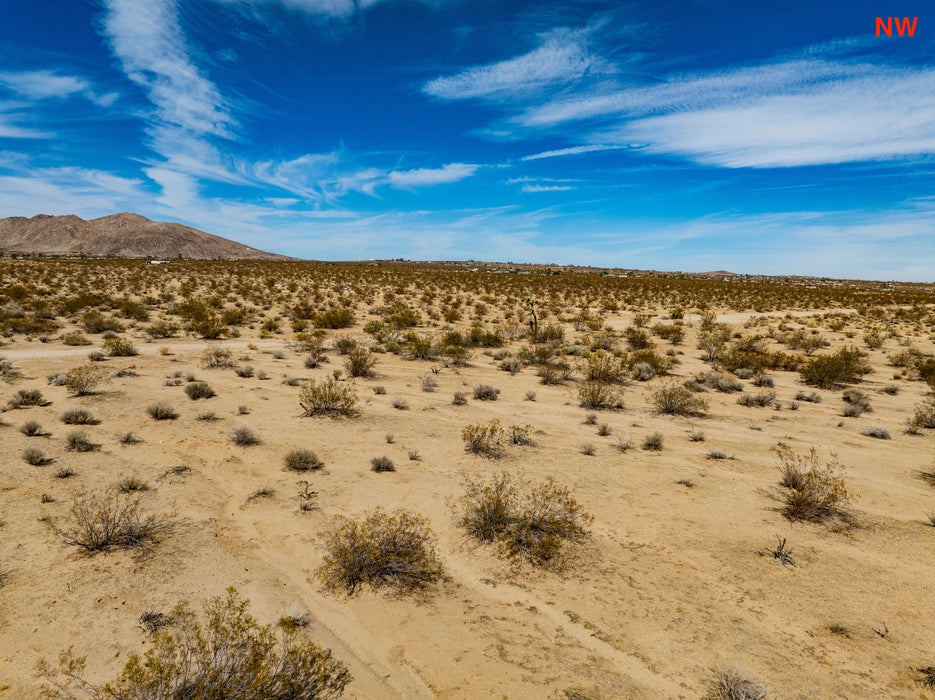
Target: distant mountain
x,y
124,235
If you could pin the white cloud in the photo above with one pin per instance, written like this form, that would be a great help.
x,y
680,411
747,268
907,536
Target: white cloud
x,y
561,58
547,188
452,172
45,84
324,9
572,151
146,36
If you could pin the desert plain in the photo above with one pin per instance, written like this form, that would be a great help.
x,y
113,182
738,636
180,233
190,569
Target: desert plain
x,y
665,406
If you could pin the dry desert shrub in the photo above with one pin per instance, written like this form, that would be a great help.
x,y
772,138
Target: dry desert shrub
x,y
733,684
530,521
459,399
382,464
599,395
226,654
78,441
103,522
78,416
815,492
32,428
360,362
199,390
85,379
923,415
876,431
484,439
757,400
485,392
25,398
382,549
215,357
8,372
329,397
677,399
302,460
75,339
161,411
34,456
244,437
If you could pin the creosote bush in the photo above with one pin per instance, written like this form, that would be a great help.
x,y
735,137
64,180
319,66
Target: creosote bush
x,y
676,399
815,492
484,439
119,347
530,521
84,379
599,395
845,366
329,397
360,362
381,549
226,654
485,392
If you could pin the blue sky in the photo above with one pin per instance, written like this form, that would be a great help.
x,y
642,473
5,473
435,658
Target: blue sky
x,y
760,137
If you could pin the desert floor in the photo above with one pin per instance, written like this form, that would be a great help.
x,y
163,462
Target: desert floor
x,y
671,583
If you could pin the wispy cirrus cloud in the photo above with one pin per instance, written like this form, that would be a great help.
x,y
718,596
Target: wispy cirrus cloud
x,y
817,107
147,38
46,84
325,9
563,57
325,177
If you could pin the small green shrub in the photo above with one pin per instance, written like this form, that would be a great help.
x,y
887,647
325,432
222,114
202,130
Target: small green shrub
x,y
845,366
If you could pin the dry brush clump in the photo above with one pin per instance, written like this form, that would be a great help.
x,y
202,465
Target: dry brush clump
x,y
226,654
814,492
329,397
103,522
85,379
845,366
381,549
733,684
678,400
484,439
530,521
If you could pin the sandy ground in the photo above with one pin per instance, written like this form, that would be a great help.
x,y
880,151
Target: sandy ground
x,y
670,585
